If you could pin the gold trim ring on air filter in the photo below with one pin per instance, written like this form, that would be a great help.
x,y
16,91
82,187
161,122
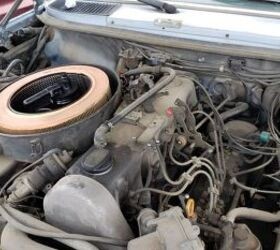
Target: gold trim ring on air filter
x,y
13,121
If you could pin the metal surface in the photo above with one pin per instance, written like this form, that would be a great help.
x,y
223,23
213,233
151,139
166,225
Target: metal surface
x,y
159,40
68,47
123,175
220,27
244,239
86,7
52,169
172,231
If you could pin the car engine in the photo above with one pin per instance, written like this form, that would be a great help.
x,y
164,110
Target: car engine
x,y
109,143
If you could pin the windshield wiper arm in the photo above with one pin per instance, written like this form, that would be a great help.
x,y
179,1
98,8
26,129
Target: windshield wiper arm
x,y
166,7
10,13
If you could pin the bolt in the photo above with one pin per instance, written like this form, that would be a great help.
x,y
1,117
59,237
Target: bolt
x,y
181,140
222,68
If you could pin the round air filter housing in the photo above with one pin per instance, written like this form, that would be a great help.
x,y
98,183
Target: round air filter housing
x,y
55,108
52,98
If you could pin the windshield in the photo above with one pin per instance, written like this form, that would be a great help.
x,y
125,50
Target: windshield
x,y
264,5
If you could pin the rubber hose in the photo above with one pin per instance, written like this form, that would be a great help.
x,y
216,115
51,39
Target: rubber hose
x,y
37,224
253,214
5,212
100,133
240,108
12,65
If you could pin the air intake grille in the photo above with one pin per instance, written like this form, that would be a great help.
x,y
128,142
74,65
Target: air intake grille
x,y
87,7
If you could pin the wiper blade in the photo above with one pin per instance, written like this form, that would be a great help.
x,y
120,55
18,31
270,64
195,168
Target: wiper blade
x,y
166,7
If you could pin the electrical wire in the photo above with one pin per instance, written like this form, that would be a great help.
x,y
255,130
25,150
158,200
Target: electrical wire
x,y
263,77
30,166
200,160
178,163
183,188
272,178
217,145
201,123
221,123
253,160
251,189
267,79
41,42
159,191
12,65
164,170
27,198
261,72
254,169
246,75
270,120
57,235
197,163
275,173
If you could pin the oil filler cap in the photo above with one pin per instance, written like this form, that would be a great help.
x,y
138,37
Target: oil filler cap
x,y
98,162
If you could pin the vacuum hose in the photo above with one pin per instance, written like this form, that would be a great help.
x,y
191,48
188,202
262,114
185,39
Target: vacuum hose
x,y
100,133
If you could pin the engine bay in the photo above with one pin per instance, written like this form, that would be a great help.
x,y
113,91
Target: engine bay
x,y
112,144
